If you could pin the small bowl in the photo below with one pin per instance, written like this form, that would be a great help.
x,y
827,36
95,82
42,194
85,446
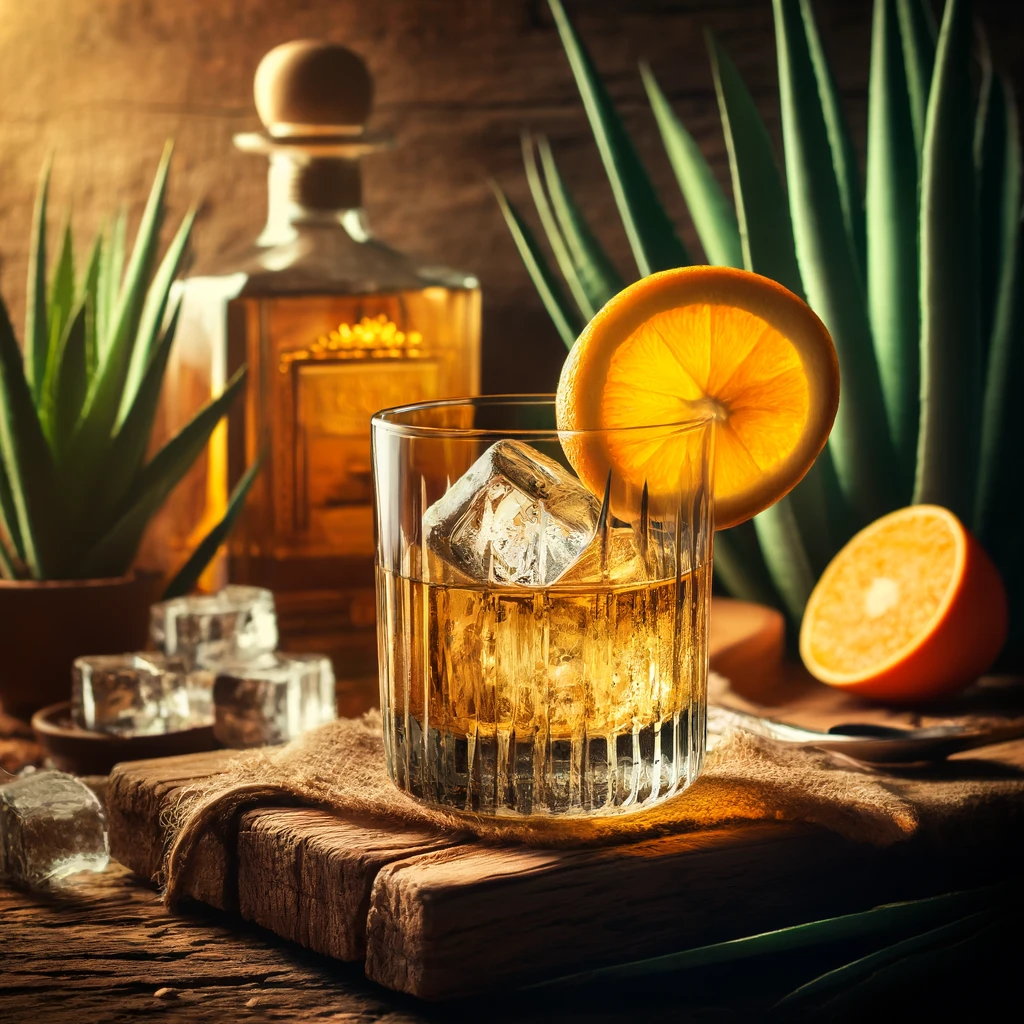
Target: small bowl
x,y
77,750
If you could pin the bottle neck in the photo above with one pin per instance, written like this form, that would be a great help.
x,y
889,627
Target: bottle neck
x,y
304,190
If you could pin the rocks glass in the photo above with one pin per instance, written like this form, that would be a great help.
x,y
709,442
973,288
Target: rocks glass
x,y
543,648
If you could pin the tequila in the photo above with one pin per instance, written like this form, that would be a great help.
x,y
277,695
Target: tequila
x,y
332,325
543,648
523,700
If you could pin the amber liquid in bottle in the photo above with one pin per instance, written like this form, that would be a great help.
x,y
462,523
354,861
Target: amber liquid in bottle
x,y
325,365
332,325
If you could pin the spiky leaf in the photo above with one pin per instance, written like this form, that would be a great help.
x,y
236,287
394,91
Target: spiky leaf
x,y
553,232
62,289
892,238
785,554
652,237
564,317
9,515
917,34
103,403
28,465
596,273
154,311
740,566
860,441
188,575
129,444
88,294
66,387
844,155
116,549
712,213
766,232
37,333
948,438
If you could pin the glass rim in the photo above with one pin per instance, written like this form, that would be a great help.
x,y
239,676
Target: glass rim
x,y
389,419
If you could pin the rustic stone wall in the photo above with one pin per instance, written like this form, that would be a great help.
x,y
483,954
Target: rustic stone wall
x,y
102,83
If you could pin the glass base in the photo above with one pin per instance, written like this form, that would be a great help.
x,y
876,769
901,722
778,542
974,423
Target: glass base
x,y
502,774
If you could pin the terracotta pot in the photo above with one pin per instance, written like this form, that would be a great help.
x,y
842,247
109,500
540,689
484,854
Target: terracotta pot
x,y
45,626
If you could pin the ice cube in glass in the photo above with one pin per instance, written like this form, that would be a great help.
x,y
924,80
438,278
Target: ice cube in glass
x,y
205,629
51,827
139,694
515,516
272,699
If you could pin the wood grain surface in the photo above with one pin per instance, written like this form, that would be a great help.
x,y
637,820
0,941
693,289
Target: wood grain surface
x,y
102,83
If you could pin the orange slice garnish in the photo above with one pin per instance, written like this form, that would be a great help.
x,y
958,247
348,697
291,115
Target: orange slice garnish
x,y
695,342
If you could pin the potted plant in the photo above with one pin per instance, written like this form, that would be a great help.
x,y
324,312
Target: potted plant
x,y
919,277
77,489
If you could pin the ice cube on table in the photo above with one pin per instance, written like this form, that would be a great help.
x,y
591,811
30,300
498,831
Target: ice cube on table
x,y
204,629
140,694
51,827
272,699
515,516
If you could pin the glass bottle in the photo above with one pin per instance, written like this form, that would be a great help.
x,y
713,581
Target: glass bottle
x,y
333,325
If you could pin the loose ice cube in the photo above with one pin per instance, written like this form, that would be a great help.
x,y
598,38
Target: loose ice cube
x,y
202,630
51,826
130,694
272,699
515,516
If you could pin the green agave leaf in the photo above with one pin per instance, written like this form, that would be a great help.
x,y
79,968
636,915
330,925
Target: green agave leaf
x,y
565,318
9,516
114,552
129,445
596,273
7,570
553,231
66,385
712,213
28,464
948,438
155,310
883,920
62,288
1000,486
88,293
37,336
860,443
92,435
877,968
917,33
652,237
740,566
768,248
844,155
892,238
998,164
109,284
188,575
766,232
785,554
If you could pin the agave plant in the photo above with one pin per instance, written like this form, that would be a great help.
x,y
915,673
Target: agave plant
x,y
77,406
919,277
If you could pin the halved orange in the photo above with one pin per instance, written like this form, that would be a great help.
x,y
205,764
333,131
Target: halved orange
x,y
691,342
912,608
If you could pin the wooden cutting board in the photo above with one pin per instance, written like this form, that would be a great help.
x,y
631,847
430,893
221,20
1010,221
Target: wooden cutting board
x,y
440,918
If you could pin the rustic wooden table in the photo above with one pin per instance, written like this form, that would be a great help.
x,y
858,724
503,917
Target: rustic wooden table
x,y
106,950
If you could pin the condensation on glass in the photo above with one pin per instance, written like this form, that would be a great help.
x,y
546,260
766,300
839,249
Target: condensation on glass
x,y
542,650
333,325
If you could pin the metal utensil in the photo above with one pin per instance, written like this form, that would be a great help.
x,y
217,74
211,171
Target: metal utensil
x,y
864,741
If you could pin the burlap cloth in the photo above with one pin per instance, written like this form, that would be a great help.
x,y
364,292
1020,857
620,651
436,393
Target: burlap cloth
x,y
340,766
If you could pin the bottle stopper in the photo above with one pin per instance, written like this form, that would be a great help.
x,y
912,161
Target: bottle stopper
x,y
315,96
